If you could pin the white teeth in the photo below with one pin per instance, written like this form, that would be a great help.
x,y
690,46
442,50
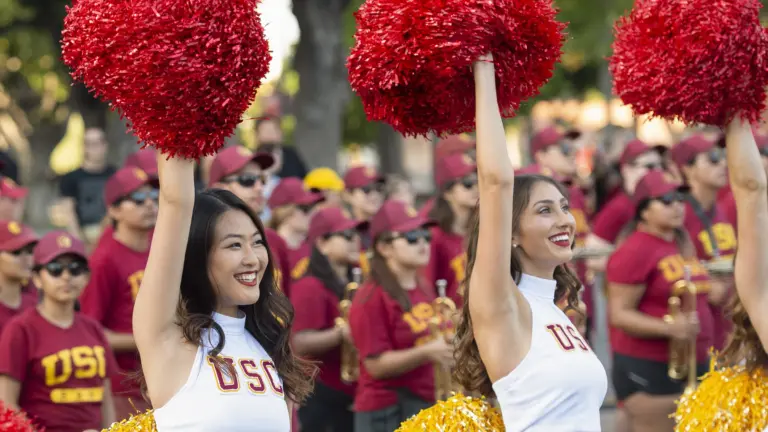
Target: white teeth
x,y
246,277
559,238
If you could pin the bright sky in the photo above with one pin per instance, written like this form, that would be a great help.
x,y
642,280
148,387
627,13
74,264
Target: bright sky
x,y
282,32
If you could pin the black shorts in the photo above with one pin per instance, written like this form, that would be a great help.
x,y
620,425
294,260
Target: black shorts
x,y
632,375
388,419
327,410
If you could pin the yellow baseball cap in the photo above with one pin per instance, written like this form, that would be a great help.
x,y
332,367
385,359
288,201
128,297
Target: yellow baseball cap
x,y
324,179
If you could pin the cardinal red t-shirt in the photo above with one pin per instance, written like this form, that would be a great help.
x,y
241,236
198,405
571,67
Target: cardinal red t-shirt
x,y
378,325
61,370
656,264
317,309
614,216
725,239
28,300
447,260
279,250
116,274
727,204
298,261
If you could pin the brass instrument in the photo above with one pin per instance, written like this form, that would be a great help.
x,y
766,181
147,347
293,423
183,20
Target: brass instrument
x,y
590,253
350,368
445,311
719,266
682,353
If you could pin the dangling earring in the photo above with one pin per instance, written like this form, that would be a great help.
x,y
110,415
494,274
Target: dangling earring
x,y
514,245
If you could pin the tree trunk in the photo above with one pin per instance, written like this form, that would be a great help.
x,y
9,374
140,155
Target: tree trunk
x,y
323,88
40,180
389,145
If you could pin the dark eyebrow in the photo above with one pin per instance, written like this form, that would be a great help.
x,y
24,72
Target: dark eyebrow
x,y
547,201
240,236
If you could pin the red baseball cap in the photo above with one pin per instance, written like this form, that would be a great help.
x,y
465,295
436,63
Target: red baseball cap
x,y
123,182
10,189
635,148
687,149
453,144
55,244
232,159
453,167
331,220
144,159
538,169
654,185
396,216
291,190
550,136
15,235
361,176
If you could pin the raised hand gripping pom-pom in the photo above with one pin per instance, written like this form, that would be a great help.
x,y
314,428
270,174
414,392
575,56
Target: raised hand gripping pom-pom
x,y
13,421
412,60
458,413
699,61
182,72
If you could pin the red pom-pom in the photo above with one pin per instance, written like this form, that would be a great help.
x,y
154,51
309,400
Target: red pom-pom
x,y
182,72
412,60
14,421
699,61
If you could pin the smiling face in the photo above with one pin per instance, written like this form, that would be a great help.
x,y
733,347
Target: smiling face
x,y
545,229
238,260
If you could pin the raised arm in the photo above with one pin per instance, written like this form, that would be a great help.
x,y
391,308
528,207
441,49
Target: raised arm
x,y
494,301
157,336
750,190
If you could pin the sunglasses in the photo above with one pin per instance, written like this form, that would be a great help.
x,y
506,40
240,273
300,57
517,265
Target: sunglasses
x,y
671,198
26,250
247,180
715,156
565,148
75,268
373,187
651,166
413,236
348,234
140,197
306,208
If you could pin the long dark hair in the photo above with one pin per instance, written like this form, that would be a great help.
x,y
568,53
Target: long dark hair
x,y
470,371
382,275
320,268
442,213
269,320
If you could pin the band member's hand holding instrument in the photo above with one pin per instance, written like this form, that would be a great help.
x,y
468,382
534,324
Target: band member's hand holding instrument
x,y
682,352
350,368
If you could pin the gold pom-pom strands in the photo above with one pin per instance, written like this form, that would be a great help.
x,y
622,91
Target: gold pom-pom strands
x,y
458,413
727,400
144,422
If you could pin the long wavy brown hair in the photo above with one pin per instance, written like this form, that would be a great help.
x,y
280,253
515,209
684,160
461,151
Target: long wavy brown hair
x,y
470,371
269,320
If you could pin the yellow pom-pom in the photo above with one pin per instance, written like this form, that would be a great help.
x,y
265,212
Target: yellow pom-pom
x,y
727,400
457,414
144,422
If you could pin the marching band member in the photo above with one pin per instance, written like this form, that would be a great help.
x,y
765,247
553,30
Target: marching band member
x,y
209,322
702,163
117,267
318,334
398,187
725,197
390,324
292,207
645,274
16,244
448,146
456,180
363,195
327,182
55,363
513,340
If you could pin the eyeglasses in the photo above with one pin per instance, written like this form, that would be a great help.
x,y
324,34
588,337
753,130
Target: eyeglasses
x,y
348,235
670,198
413,236
26,250
140,197
75,268
247,180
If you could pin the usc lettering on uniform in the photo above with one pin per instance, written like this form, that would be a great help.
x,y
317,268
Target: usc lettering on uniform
x,y
80,362
254,373
725,237
673,268
419,316
567,338
134,280
458,265
300,268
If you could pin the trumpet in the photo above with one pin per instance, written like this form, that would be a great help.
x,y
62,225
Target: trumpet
x,y
682,354
445,310
350,368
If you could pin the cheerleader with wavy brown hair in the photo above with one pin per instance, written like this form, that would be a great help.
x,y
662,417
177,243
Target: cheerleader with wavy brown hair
x,y
732,396
513,340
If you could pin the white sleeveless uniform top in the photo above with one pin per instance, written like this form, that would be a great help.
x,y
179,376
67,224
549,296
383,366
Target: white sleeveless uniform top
x,y
560,384
213,402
